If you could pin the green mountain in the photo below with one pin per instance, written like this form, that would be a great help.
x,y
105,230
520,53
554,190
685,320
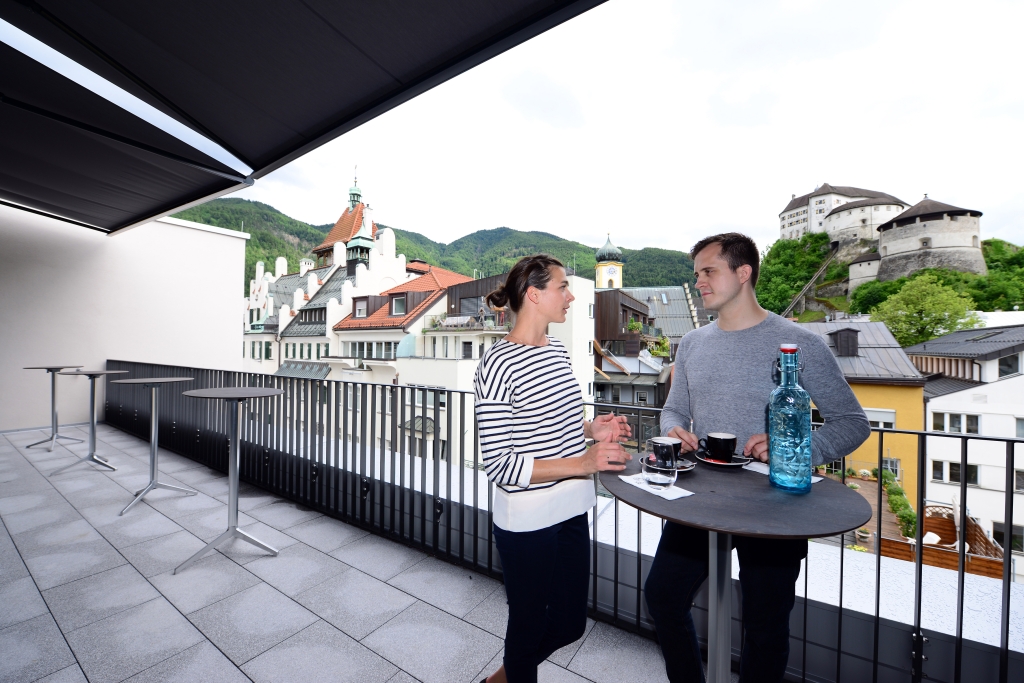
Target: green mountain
x,y
487,252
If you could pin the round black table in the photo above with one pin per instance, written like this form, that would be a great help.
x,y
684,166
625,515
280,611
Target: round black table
x,y
236,396
92,457
154,384
54,433
729,501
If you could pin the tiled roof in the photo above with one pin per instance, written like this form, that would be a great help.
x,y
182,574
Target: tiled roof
x,y
304,369
672,314
984,343
798,202
870,256
879,356
318,328
417,267
436,278
346,227
927,209
380,319
283,289
864,203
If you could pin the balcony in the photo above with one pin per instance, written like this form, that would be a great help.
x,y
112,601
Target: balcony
x,y
466,323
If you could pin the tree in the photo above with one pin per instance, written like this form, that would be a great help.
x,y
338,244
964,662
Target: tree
x,y
924,309
872,293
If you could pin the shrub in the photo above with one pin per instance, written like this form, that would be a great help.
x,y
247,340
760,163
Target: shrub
x,y
887,476
898,503
864,473
908,522
850,472
853,486
895,490
874,472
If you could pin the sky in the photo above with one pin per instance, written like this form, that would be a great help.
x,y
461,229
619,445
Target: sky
x,y
662,122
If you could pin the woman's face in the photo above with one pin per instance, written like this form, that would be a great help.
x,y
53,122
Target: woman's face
x,y
553,301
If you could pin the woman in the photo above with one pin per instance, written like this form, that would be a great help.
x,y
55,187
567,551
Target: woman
x,y
533,438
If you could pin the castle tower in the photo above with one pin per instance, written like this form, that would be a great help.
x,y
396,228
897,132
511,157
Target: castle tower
x,y
609,266
930,234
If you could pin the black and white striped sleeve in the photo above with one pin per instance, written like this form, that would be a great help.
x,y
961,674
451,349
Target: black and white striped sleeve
x,y
494,416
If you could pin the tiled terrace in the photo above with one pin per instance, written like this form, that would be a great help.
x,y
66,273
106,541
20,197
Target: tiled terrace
x,y
88,595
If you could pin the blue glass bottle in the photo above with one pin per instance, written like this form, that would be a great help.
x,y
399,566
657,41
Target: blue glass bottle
x,y
789,427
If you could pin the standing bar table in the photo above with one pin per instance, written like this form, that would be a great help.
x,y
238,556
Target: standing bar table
x,y
154,384
54,427
236,398
92,457
730,501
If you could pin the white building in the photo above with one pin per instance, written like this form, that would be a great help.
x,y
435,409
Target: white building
x,y
978,393
808,213
930,235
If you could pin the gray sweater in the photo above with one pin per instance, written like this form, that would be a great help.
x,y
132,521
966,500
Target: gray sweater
x,y
723,381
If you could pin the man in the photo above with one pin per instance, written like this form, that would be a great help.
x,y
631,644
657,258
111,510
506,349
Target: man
x,y
723,376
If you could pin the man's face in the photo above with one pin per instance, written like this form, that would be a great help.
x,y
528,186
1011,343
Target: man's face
x,y
718,284
554,299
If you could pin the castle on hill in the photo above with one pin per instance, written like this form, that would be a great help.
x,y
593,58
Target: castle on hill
x,y
883,237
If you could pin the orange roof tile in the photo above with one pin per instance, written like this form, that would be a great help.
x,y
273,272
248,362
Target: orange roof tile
x,y
417,267
435,278
381,319
346,228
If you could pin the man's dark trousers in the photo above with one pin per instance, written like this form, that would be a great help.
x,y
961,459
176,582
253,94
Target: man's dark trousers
x,y
768,572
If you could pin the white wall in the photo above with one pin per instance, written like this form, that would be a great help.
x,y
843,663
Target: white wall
x,y
165,292
577,333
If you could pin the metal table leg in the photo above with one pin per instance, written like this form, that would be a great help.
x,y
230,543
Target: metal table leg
x,y
54,434
92,457
720,608
154,430
234,455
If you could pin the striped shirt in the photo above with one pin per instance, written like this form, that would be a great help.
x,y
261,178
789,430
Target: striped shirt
x,y
529,407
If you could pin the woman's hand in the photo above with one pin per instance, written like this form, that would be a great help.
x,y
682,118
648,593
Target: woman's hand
x,y
604,456
615,426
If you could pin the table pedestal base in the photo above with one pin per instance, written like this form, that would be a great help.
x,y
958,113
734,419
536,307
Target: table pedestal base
x,y
719,608
92,457
54,427
152,486
232,532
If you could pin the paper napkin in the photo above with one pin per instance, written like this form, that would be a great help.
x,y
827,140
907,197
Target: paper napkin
x,y
668,493
762,468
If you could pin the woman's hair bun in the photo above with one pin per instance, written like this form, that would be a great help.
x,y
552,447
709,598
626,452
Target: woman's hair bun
x,y
498,298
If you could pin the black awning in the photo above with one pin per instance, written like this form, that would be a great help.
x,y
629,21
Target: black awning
x,y
267,80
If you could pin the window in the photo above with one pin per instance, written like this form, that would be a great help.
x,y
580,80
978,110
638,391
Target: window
x,y
615,393
881,418
1017,540
888,208
398,305
876,208
590,392
446,347
318,352
590,351
641,397
938,422
309,351
433,347
893,465
955,423
467,350
926,243
1009,365
1018,480
938,470
972,474
361,309
591,310
327,349
1020,428
266,350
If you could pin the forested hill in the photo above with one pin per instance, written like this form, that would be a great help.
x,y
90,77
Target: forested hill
x,y
489,252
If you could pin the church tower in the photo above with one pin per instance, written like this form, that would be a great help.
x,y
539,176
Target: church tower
x,y
609,266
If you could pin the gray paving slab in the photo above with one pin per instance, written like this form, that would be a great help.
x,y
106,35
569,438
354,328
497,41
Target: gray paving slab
x,y
33,649
20,522
563,656
203,583
378,557
20,601
403,677
447,649
451,588
209,524
355,602
162,554
141,523
251,622
176,505
552,673
84,492
195,476
71,674
213,487
61,535
24,483
282,514
244,553
97,597
610,655
320,653
30,501
202,663
250,497
126,643
326,534
296,568
12,567
490,667
491,614
64,565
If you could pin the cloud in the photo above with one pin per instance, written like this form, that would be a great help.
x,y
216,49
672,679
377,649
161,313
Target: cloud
x,y
538,98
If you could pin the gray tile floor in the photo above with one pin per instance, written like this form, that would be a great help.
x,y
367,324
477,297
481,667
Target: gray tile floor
x,y
88,595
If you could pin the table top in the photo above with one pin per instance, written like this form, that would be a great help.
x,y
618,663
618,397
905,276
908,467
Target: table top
x,y
742,502
233,393
95,373
152,380
51,368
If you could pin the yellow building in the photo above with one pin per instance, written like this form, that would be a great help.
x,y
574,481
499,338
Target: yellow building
x,y
888,387
608,273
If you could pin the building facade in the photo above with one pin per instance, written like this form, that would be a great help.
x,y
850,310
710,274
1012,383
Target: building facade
x,y
930,235
608,271
817,212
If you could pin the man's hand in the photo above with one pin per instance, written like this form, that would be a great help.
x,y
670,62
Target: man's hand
x,y
610,427
688,438
757,447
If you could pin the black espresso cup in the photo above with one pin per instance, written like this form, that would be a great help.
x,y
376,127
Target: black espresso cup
x,y
719,446
665,450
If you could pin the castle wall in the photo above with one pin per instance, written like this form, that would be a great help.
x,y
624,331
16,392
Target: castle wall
x,y
864,271
953,242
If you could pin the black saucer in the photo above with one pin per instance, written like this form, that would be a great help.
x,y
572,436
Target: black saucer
x,y
738,460
685,468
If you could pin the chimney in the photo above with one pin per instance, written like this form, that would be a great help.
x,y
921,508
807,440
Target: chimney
x,y
846,341
305,265
280,267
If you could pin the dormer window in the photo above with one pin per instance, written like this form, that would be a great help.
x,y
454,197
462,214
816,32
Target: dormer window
x,y
361,309
398,305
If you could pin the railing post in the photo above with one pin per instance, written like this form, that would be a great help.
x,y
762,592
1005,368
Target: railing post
x,y
917,655
1004,625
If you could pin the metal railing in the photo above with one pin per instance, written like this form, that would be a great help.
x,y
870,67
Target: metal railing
x,y
403,462
447,323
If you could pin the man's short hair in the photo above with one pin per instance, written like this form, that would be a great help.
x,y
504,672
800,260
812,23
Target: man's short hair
x,y
737,250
